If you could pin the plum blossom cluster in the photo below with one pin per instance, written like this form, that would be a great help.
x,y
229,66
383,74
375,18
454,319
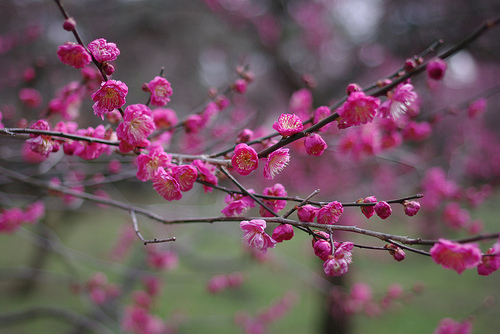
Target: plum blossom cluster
x,y
12,219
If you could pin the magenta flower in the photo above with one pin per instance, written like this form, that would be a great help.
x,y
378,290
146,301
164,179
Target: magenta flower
x,y
148,164
162,260
283,232
193,123
254,235
186,176
137,125
398,102
452,255
164,117
103,51
42,144
237,204
436,69
206,173
166,185
110,95
320,114
330,213
411,207
11,220
239,86
454,216
288,124
73,55
397,253
160,91
307,213
322,249
383,209
337,264
417,131
275,162
450,326
315,145
87,150
30,97
358,109
274,204
490,262
245,159
368,211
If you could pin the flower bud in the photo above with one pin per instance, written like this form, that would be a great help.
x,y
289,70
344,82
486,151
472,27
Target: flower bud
x,y
69,24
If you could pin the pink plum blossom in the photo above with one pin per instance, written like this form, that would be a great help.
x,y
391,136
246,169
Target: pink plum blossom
x,y
73,55
455,216
307,213
206,173
288,124
30,97
164,118
383,209
411,207
11,220
137,125
109,96
283,232
90,150
330,213
245,159
322,248
397,253
398,101
417,131
358,109
450,326
320,114
276,205
254,235
160,91
315,145
490,262
239,86
186,176
166,185
337,264
103,51
162,260
193,124
42,144
368,211
237,204
436,69
452,255
68,101
275,162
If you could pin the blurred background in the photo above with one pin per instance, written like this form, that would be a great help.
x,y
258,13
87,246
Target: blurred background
x,y
84,263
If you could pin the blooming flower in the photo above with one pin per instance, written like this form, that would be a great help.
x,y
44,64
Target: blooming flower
x,y
452,255
245,159
186,176
164,117
160,91
275,162
207,173
109,96
283,232
288,124
490,262
166,185
137,125
103,51
436,68
322,248
315,145
358,109
90,150
398,101
42,144
148,164
68,101
274,204
450,326
237,203
368,211
254,235
73,55
337,264
330,213
193,123
411,207
383,209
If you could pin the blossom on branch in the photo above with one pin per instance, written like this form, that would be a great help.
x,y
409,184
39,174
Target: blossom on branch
x,y
383,209
358,109
452,255
315,145
148,164
436,69
109,96
368,211
160,91
206,173
237,204
283,232
245,159
137,125
490,262
255,236
337,264
74,55
42,144
166,185
91,150
275,162
288,124
398,101
186,176
103,51
276,205
330,213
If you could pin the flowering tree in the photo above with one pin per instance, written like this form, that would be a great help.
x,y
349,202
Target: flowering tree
x,y
309,153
